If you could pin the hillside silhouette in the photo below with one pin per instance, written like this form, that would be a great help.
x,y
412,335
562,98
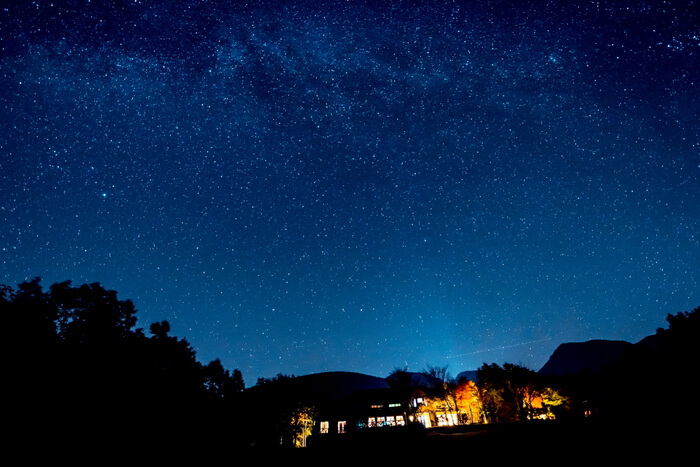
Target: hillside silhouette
x,y
579,357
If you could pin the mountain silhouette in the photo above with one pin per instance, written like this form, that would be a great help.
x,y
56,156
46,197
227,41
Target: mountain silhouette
x,y
568,358
579,357
337,384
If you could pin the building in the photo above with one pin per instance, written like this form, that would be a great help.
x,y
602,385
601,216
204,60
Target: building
x,y
362,411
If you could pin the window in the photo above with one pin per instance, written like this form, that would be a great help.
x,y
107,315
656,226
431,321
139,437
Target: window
x,y
324,427
397,420
424,419
447,419
341,426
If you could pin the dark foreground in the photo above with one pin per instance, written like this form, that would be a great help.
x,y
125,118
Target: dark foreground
x,y
537,443
548,443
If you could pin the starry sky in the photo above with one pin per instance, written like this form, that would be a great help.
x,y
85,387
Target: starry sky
x,y
307,186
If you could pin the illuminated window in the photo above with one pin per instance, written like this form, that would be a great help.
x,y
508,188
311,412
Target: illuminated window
x,y
341,427
377,406
324,427
397,420
424,419
447,419
395,404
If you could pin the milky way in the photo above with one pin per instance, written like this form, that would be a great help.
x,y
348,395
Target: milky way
x,y
301,188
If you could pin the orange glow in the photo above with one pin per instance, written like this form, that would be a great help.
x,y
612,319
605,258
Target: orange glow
x,y
469,402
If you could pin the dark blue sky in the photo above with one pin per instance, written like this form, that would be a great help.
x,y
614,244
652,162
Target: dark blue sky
x,y
302,188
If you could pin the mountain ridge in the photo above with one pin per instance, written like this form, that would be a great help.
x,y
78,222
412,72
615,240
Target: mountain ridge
x,y
579,357
568,358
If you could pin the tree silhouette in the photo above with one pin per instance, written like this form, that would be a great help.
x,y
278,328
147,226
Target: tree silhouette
x,y
79,361
656,377
401,381
91,315
219,382
30,313
505,391
443,388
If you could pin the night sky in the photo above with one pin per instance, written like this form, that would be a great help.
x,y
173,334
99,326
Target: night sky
x,y
301,187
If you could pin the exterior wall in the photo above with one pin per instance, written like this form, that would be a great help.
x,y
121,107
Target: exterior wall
x,y
362,410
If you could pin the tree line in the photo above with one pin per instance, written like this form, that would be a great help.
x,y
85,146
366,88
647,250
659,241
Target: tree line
x,y
499,394
79,368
